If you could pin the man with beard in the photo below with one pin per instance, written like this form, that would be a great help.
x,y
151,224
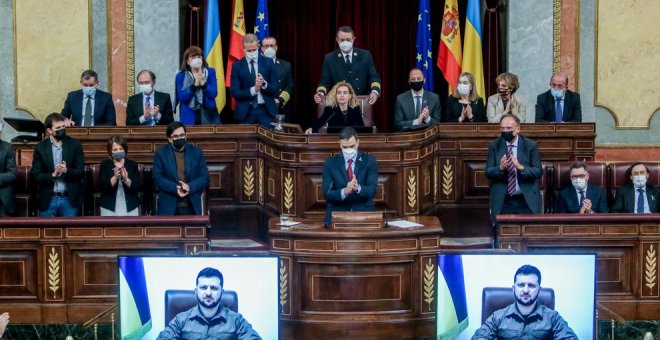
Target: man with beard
x,y
209,319
525,318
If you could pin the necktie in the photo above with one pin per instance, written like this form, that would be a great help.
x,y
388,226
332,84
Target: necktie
x,y
349,170
581,198
640,201
511,176
348,60
87,120
558,111
253,73
147,108
418,106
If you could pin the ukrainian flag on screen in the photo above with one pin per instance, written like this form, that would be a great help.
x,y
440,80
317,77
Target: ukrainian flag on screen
x,y
135,317
452,305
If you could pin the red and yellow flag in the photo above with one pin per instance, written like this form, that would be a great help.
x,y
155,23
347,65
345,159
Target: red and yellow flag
x,y
449,51
235,38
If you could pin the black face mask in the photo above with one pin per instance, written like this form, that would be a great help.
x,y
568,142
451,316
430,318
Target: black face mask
x,y
416,85
59,134
179,143
508,135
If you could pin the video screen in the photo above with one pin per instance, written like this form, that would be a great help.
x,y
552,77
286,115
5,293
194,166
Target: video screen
x,y
470,284
250,286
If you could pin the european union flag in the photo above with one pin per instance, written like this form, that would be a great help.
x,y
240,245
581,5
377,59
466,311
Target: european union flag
x,y
424,55
261,29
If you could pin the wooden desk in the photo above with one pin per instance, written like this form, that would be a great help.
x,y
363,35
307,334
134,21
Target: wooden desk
x,y
373,284
64,270
626,246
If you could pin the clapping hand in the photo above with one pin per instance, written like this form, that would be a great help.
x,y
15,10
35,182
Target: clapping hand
x,y
586,207
182,189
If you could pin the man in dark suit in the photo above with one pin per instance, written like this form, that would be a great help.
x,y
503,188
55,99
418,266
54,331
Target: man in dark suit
x,y
637,197
350,180
253,86
514,167
58,167
283,77
7,178
559,104
353,65
180,173
582,197
416,107
89,106
149,107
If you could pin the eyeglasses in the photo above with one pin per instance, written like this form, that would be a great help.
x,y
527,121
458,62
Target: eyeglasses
x,y
558,86
183,135
581,176
639,173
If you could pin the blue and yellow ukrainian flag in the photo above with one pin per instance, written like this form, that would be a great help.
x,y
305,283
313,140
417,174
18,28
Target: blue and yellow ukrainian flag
x,y
134,313
472,52
424,56
261,29
213,50
452,304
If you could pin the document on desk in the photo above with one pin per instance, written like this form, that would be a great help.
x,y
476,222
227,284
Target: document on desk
x,y
403,224
288,223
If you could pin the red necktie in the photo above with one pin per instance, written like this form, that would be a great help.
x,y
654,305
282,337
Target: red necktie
x,y
349,170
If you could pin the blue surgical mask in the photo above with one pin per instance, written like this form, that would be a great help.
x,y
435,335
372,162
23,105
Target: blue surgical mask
x,y
89,90
346,46
557,94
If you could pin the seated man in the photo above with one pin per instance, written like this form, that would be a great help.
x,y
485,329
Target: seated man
x,y
89,106
559,104
582,198
209,319
149,107
181,174
7,178
350,180
526,318
637,197
416,107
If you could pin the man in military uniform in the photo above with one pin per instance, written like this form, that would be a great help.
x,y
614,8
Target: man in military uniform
x,y
353,65
283,77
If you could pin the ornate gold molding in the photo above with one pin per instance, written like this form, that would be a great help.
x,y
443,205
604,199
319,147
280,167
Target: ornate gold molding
x,y
429,284
435,180
412,190
130,48
650,272
288,192
248,180
447,179
54,272
261,180
284,286
556,36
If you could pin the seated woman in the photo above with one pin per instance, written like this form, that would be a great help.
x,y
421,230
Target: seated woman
x,y
504,101
341,109
119,180
464,105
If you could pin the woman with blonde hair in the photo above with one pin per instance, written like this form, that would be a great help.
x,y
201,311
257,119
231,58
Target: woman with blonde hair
x,y
504,101
464,105
342,109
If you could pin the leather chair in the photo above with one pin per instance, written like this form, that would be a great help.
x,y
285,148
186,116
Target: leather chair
x,y
495,298
177,301
620,174
154,202
598,175
367,112
92,179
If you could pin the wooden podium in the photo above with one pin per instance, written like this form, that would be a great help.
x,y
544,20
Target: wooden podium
x,y
357,282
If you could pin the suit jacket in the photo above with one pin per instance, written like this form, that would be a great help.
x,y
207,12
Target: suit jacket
x,y
404,109
495,108
43,167
104,109
184,96
135,108
335,179
568,202
361,73
242,81
453,110
284,81
528,155
7,177
166,178
109,193
545,107
332,116
624,200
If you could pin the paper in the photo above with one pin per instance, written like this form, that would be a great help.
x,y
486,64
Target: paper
x,y
403,224
288,223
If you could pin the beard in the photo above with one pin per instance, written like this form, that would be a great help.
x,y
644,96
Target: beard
x,y
527,303
212,304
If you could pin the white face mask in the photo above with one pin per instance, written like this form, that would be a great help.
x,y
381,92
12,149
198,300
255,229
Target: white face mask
x,y
639,181
196,63
349,153
252,55
579,183
346,46
270,52
146,88
463,89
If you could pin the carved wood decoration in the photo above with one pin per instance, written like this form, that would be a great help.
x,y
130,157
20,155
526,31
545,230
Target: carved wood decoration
x,y
285,287
288,191
429,266
54,278
650,270
261,181
448,178
411,191
249,185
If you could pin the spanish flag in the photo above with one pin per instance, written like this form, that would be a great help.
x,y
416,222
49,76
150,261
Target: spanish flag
x,y
213,50
134,312
473,57
235,38
449,51
452,303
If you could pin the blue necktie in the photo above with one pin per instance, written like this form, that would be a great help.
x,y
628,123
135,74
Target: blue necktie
x,y
640,201
581,198
558,112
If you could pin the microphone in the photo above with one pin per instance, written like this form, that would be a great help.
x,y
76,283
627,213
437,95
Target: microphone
x,y
327,120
